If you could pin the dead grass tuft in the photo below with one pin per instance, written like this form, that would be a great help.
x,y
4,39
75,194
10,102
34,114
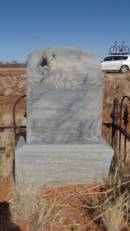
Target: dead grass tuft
x,y
28,205
24,201
115,215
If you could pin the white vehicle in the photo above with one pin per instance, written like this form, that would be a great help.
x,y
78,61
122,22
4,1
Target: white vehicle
x,y
119,62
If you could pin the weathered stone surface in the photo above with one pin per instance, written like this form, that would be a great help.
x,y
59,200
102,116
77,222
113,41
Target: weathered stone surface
x,y
63,164
64,98
64,144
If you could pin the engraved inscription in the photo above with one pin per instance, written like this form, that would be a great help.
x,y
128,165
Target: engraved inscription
x,y
68,83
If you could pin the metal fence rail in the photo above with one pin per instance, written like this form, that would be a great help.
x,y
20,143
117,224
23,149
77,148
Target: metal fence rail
x,y
20,128
120,127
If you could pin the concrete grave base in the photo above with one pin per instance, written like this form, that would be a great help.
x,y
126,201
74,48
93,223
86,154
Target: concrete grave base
x,y
54,165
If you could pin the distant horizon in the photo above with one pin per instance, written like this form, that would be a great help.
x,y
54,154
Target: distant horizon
x,y
25,59
27,26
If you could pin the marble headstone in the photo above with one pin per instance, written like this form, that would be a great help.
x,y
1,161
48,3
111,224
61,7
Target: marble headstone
x,y
64,108
64,97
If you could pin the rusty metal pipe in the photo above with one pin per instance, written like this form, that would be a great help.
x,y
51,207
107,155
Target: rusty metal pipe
x,y
14,108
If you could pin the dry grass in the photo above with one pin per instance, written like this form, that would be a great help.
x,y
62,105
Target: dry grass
x,y
6,160
49,211
28,205
108,208
25,201
115,215
44,214
79,210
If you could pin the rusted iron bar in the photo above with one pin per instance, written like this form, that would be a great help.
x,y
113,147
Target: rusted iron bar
x,y
117,127
123,131
15,127
10,127
115,115
14,112
125,119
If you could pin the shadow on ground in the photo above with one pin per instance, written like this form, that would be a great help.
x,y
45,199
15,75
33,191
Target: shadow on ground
x,y
6,223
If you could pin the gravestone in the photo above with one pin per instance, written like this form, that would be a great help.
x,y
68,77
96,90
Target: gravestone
x,y
64,108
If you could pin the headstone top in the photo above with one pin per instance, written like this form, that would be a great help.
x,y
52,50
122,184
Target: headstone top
x,y
62,59
64,97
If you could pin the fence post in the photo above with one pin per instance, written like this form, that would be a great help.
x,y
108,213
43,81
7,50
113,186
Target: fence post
x,y
126,121
115,115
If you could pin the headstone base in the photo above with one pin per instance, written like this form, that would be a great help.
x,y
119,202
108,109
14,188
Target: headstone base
x,y
56,165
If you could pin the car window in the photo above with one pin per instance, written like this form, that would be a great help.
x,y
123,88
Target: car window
x,y
116,58
124,57
109,58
